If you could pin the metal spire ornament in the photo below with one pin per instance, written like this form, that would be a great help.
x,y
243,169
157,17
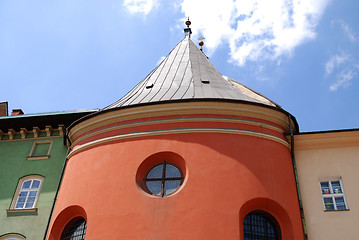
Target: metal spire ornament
x,y
201,43
188,31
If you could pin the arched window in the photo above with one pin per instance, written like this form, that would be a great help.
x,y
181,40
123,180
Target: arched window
x,y
260,225
27,192
12,236
75,229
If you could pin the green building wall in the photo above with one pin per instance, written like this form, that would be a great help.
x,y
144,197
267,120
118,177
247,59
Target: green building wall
x,y
14,165
18,134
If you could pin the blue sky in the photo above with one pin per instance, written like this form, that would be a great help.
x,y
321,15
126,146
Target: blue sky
x,y
79,54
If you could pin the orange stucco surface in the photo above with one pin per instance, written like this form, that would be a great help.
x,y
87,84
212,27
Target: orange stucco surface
x,y
227,176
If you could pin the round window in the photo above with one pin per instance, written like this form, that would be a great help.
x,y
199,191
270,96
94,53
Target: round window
x,y
163,179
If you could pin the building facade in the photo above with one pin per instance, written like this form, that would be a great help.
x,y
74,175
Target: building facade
x,y
327,165
32,154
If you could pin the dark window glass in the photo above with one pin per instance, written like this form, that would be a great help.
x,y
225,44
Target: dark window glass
x,y
329,204
27,184
325,187
260,226
155,187
35,184
340,203
336,187
163,179
74,230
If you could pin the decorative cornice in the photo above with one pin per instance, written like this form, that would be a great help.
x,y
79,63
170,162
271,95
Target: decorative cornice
x,y
11,134
277,118
36,132
79,148
23,132
61,129
187,120
326,140
48,130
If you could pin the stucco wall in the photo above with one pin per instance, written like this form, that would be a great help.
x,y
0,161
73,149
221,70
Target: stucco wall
x,y
13,166
326,155
234,164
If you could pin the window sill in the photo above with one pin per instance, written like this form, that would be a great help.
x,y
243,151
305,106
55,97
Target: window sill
x,y
37,157
337,210
21,212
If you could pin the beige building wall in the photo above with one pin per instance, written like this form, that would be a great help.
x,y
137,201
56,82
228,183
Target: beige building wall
x,y
326,156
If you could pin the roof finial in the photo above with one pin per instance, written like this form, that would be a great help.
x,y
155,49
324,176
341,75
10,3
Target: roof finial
x,y
188,30
201,42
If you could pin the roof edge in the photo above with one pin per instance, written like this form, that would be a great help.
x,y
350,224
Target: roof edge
x,y
328,131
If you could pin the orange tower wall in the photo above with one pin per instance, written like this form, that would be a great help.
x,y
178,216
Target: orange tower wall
x,y
226,176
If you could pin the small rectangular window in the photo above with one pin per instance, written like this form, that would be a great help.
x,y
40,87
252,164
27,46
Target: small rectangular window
x,y
40,150
333,195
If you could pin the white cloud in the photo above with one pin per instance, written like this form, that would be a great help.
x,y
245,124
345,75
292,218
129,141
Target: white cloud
x,y
255,29
347,30
343,68
140,6
343,79
335,61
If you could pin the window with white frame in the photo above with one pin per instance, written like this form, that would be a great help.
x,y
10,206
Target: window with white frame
x,y
27,192
333,195
12,236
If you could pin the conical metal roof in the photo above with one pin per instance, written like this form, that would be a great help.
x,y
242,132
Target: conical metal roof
x,y
185,74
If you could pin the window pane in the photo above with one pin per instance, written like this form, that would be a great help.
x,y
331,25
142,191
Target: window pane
x,y
26,184
154,187
35,184
171,186
23,194
339,201
329,205
29,205
20,205
33,194
325,187
31,199
341,207
156,172
21,199
172,171
336,187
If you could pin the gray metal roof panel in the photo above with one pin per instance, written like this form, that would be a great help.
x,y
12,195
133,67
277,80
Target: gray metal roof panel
x,y
186,73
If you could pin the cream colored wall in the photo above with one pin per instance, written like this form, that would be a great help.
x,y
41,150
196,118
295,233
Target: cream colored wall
x,y
323,155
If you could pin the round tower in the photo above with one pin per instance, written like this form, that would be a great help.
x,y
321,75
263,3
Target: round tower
x,y
186,154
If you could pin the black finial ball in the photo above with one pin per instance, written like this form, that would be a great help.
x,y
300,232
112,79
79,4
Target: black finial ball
x,y
201,43
188,22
